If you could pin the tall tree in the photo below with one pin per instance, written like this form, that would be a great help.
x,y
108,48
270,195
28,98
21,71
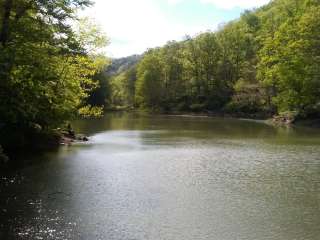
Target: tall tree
x,y
46,71
149,87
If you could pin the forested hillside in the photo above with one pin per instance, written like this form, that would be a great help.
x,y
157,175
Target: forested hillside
x,y
267,62
119,65
52,69
116,84
48,62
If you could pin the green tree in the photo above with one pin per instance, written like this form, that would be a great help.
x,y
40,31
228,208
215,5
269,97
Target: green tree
x,y
149,85
267,61
290,63
46,71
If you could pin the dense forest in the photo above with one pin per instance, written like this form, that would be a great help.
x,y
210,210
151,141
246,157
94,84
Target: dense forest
x,y
116,84
52,68
264,63
49,62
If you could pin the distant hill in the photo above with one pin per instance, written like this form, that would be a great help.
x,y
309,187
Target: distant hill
x,y
122,64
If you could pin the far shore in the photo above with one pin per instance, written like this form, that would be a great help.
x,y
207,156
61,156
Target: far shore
x,y
269,119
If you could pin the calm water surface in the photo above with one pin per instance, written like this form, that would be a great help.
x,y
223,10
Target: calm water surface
x,y
169,178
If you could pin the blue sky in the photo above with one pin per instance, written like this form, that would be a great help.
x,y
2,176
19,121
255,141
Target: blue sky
x,y
136,25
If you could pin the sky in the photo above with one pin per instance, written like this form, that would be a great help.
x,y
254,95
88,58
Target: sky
x,y
133,26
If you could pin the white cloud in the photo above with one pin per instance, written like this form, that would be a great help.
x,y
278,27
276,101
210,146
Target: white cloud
x,y
227,4
174,2
134,26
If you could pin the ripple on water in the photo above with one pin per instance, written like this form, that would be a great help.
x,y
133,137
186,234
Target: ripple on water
x,y
184,179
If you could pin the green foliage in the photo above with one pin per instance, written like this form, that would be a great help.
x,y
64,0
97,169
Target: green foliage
x,y
290,61
101,93
90,36
197,107
52,66
247,99
46,67
90,111
264,62
197,72
149,89
123,88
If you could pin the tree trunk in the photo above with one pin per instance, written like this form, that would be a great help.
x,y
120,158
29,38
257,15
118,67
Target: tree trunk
x,y
4,34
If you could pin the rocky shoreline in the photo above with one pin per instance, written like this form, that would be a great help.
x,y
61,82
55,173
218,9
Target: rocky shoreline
x,y
281,120
68,139
42,141
3,157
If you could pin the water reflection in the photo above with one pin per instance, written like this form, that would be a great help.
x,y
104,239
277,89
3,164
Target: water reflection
x,y
161,177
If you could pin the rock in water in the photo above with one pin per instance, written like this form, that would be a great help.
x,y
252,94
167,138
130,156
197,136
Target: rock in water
x,y
81,137
3,158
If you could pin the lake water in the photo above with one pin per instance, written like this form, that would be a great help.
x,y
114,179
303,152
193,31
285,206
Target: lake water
x,y
143,177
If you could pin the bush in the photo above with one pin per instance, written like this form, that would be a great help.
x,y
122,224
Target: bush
x,y
197,107
243,107
182,106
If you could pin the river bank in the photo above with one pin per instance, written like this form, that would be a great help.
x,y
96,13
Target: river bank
x,y
278,120
37,141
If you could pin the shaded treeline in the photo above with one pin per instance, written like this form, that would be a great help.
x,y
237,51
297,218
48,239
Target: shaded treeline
x,y
116,84
48,60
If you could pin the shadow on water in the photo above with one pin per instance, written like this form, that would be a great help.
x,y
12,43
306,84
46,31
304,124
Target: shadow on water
x,y
168,177
199,127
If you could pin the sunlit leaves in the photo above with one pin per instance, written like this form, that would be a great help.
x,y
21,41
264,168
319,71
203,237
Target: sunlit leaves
x,y
290,62
47,68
